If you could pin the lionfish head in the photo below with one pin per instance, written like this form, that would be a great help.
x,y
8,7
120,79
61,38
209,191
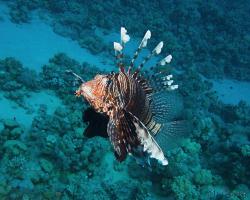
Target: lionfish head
x,y
94,90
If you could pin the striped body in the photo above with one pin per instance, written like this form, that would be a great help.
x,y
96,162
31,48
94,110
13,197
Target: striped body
x,y
127,93
113,92
111,95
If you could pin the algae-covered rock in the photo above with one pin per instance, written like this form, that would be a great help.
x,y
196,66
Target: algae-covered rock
x,y
29,79
10,123
121,190
245,150
15,166
14,147
183,188
4,189
46,165
16,132
12,66
1,127
191,147
61,112
79,132
203,177
51,140
85,153
76,118
93,43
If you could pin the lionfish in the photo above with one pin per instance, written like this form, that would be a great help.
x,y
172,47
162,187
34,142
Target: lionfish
x,y
137,111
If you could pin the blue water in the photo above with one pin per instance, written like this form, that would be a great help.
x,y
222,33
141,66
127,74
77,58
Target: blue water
x,y
43,153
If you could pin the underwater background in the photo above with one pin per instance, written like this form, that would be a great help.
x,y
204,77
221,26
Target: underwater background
x,y
43,153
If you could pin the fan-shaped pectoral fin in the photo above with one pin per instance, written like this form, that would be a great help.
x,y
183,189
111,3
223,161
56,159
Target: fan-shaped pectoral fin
x,y
128,135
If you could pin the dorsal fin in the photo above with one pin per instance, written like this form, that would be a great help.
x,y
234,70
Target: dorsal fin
x,y
156,51
144,84
142,45
119,52
119,47
161,82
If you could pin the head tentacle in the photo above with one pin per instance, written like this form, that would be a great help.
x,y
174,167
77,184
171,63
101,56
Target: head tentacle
x,y
75,75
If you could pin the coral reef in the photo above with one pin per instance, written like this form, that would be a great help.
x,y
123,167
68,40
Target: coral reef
x,y
54,76
52,159
16,82
62,161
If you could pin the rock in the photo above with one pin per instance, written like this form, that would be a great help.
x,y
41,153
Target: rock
x,y
4,188
1,127
79,132
61,112
16,132
245,150
14,146
203,177
51,139
10,123
46,165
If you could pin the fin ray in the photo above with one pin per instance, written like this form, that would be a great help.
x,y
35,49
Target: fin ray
x,y
166,106
149,144
128,134
172,133
121,131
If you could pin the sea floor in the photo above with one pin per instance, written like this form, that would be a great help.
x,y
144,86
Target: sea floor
x,y
232,91
11,110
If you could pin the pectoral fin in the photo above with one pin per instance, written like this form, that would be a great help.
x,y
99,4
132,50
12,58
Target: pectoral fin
x,y
128,134
122,134
149,144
